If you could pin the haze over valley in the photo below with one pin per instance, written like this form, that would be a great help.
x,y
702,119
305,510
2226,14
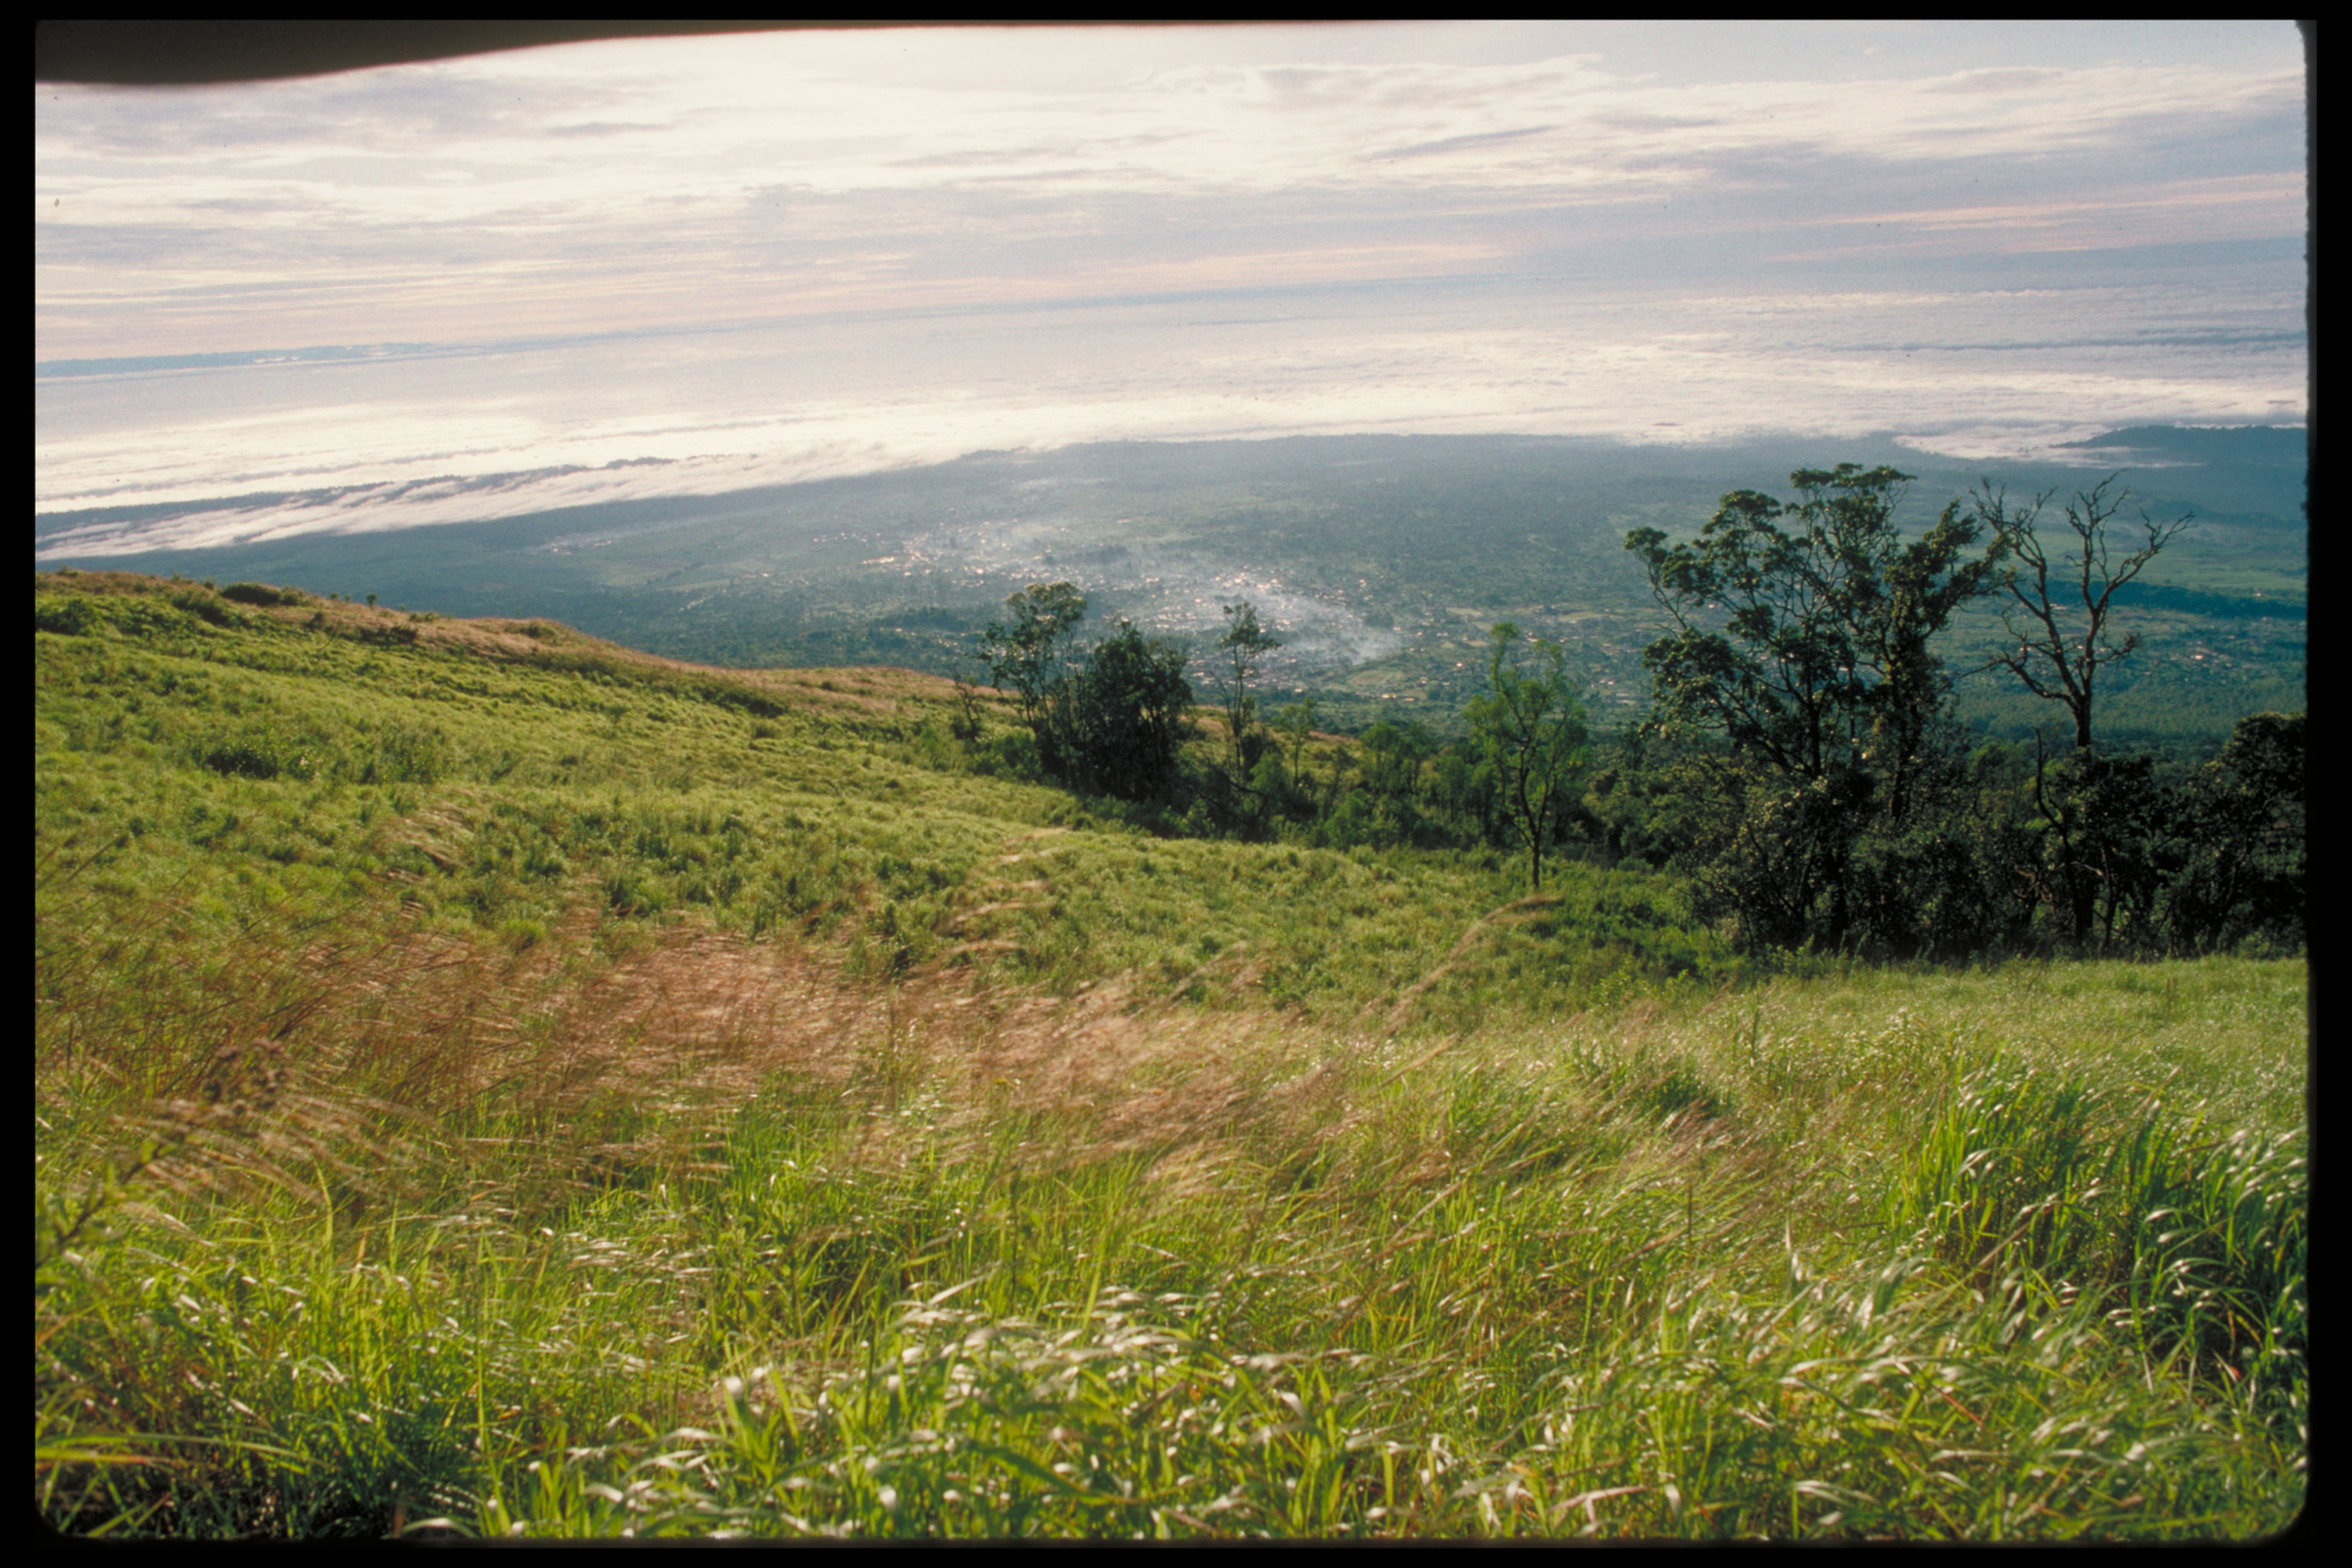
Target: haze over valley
x,y
1379,561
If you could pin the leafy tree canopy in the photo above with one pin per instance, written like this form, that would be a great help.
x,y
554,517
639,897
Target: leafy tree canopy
x,y
1531,729
1024,652
1117,724
1802,629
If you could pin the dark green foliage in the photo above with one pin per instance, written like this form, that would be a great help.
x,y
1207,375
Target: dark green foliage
x,y
1114,727
72,617
2120,851
263,595
1822,665
1249,793
1467,796
2006,852
1647,797
1393,758
1807,771
1949,883
2242,817
2104,824
1026,651
1386,807
1822,681
1243,646
260,756
206,605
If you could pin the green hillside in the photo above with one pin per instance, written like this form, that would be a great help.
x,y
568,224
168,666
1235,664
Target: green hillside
x,y
489,1082
487,777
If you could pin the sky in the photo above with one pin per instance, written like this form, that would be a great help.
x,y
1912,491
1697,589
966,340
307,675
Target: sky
x,y
702,263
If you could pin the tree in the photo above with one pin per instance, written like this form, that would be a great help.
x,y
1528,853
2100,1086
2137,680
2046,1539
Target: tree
x,y
1385,806
1648,794
2057,632
966,725
1392,757
1532,730
1297,722
2244,822
1822,662
1243,646
1802,638
1961,877
2100,817
2102,823
1026,651
1463,789
1115,726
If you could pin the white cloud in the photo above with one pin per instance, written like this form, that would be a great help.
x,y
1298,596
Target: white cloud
x,y
1595,229
471,182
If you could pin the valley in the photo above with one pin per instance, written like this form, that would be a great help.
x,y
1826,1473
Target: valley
x,y
1379,561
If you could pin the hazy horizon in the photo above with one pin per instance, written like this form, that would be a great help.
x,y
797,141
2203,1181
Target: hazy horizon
x,y
692,266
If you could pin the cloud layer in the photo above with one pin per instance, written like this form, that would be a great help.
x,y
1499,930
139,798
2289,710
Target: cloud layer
x,y
636,183
1603,230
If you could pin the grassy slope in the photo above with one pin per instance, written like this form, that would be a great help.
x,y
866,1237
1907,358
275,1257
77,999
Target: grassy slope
x,y
644,1028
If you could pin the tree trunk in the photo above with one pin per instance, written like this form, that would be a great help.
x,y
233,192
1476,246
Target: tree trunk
x,y
2082,897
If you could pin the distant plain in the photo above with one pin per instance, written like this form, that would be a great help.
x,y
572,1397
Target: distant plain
x,y
1380,560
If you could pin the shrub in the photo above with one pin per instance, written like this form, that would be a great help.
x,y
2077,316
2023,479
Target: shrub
x,y
206,606
264,595
261,754
1116,725
67,618
407,755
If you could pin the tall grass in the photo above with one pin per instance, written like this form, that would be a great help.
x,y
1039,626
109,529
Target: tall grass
x,y
948,1267
2201,1240
606,1107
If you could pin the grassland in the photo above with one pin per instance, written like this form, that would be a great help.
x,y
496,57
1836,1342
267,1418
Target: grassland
x,y
490,1082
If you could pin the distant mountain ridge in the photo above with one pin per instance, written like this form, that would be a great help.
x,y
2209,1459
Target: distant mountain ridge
x,y
2262,446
